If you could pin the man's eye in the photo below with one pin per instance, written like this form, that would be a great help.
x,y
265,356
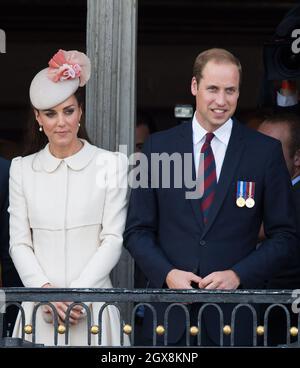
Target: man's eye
x,y
139,146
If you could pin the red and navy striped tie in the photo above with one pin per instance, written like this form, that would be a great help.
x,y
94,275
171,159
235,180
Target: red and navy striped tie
x,y
210,177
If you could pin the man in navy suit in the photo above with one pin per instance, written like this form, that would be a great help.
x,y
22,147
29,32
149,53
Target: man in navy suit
x,y
285,126
210,242
9,275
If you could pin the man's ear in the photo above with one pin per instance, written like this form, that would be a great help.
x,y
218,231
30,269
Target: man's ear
x,y
194,86
297,158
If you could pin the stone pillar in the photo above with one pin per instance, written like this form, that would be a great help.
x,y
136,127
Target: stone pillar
x,y
111,45
111,91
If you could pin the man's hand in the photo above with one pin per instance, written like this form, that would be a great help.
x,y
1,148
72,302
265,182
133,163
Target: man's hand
x,y
221,280
177,279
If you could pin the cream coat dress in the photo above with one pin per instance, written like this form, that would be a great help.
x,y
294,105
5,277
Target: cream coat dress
x,y
67,218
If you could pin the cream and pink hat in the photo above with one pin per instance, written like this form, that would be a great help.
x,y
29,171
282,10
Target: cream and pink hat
x,y
67,71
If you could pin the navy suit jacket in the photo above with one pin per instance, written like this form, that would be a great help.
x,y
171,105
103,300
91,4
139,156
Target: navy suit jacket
x,y
165,230
9,275
289,278
6,262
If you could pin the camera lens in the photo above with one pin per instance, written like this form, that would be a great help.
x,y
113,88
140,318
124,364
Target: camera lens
x,y
281,62
288,59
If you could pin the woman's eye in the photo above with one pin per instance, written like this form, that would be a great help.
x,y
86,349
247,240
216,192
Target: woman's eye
x,y
69,112
50,114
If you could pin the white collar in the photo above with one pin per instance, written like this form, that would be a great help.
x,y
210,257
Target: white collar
x,y
296,180
223,133
44,160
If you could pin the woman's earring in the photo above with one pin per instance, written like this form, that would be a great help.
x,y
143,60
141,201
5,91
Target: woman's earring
x,y
40,128
79,125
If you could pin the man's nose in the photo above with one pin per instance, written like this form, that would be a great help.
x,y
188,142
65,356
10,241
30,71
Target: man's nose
x,y
220,98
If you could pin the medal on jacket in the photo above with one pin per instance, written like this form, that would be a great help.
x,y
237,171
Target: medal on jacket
x,y
250,194
241,194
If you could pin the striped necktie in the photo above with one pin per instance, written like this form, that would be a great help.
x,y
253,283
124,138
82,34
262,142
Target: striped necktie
x,y
210,177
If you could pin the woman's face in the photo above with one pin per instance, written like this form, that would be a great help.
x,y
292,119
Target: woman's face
x,y
61,123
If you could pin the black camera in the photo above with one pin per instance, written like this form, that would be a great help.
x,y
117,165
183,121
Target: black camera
x,y
282,55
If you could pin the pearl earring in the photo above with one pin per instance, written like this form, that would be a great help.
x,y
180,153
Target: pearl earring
x,y
79,125
40,128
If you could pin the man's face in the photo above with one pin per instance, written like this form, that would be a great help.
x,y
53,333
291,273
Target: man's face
x,y
141,134
282,133
216,94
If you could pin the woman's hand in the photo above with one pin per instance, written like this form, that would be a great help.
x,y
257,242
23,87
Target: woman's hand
x,y
61,308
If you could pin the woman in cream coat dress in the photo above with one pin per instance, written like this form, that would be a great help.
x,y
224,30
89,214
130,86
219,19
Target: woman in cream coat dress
x,y
67,212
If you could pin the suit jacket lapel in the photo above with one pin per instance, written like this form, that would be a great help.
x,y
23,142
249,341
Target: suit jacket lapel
x,y
231,161
185,145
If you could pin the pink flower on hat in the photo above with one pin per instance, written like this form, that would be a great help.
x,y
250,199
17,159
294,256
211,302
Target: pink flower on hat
x,y
66,65
66,71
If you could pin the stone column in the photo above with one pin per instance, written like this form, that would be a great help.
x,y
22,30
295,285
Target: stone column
x,y
111,92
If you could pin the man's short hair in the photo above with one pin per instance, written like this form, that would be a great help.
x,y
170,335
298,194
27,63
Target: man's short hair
x,y
293,122
219,56
144,118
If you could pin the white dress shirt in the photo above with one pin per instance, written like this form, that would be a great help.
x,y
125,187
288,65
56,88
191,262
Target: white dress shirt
x,y
295,180
219,143
286,101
